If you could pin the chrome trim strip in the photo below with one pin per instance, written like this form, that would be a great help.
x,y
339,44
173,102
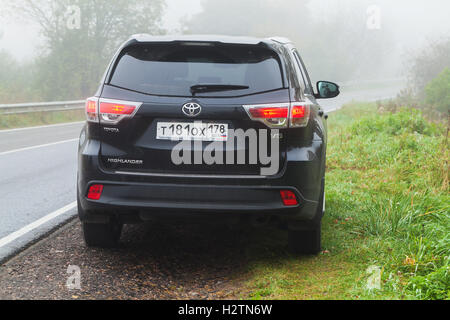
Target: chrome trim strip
x,y
209,176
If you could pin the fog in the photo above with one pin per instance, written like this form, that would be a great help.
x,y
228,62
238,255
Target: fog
x,y
341,40
21,38
410,23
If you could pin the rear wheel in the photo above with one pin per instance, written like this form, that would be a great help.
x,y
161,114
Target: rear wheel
x,y
103,235
308,241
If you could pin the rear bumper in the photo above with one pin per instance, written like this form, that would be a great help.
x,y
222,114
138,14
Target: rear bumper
x,y
144,198
148,200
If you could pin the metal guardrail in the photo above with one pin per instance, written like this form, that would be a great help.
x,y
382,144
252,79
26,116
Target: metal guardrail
x,y
41,106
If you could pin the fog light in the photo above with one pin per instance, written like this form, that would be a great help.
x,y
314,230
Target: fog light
x,y
289,198
95,192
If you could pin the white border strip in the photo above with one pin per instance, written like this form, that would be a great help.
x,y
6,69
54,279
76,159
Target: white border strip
x,y
42,127
36,147
19,233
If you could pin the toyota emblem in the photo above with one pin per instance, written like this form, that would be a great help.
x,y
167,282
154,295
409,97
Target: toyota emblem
x,y
192,109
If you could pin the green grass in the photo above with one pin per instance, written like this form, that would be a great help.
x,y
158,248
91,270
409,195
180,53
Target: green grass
x,y
11,121
387,206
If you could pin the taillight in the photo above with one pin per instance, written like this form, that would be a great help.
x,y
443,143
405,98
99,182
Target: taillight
x,y
95,192
299,115
269,112
288,197
113,111
92,109
272,115
114,108
280,115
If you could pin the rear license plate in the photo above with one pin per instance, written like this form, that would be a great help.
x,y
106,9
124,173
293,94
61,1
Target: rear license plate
x,y
192,131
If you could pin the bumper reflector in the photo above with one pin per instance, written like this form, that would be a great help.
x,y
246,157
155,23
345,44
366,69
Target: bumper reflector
x,y
289,198
95,192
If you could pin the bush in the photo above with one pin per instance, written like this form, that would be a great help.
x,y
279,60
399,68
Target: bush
x,y
405,121
433,286
429,81
426,65
437,92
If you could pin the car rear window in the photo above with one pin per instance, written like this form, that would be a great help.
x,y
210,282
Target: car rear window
x,y
171,69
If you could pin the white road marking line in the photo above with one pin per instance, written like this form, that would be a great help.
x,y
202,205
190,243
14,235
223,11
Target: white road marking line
x,y
41,127
13,236
36,147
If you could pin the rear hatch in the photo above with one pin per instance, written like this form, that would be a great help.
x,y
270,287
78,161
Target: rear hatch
x,y
171,92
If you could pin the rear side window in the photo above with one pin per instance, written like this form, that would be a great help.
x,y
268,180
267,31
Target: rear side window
x,y
303,73
171,69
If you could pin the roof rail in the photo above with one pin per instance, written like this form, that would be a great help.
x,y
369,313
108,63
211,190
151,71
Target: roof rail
x,y
281,40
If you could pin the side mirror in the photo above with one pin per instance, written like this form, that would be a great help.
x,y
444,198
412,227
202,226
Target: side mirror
x,y
327,90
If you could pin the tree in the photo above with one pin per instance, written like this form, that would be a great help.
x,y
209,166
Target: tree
x,y
81,36
15,80
343,48
334,40
251,17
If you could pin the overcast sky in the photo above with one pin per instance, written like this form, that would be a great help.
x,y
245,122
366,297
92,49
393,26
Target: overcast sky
x,y
412,21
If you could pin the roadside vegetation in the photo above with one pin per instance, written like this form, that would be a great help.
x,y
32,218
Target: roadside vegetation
x,y
428,85
388,209
11,121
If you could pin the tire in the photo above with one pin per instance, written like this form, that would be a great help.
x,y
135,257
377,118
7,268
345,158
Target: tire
x,y
308,241
102,235
305,241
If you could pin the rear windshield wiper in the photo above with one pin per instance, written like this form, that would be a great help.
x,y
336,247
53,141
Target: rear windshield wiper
x,y
215,88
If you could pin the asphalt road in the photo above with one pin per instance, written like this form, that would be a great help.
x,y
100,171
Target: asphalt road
x,y
346,96
38,175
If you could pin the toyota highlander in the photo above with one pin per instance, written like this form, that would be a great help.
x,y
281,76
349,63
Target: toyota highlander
x,y
210,127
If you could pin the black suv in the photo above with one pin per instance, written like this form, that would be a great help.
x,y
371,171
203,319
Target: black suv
x,y
212,127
